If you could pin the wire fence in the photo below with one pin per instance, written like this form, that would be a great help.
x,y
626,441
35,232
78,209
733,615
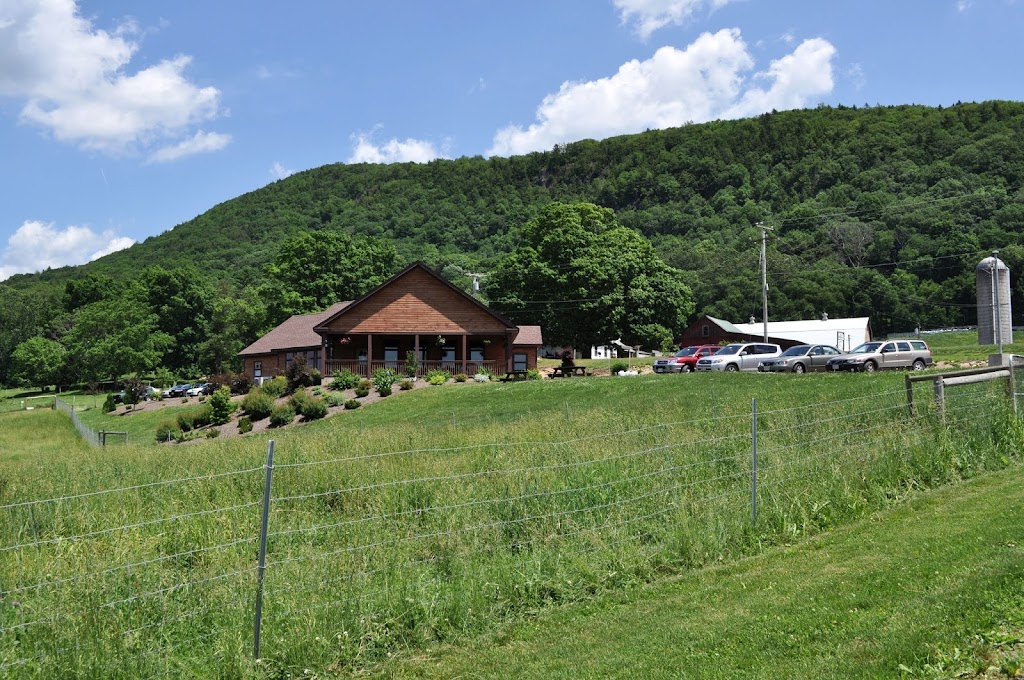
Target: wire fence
x,y
93,437
337,562
8,404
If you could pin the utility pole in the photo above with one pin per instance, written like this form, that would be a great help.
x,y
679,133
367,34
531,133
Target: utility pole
x,y
764,276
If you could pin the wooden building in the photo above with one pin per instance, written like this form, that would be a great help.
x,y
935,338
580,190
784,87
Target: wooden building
x,y
414,311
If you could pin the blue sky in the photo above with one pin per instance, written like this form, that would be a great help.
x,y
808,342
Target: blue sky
x,y
119,120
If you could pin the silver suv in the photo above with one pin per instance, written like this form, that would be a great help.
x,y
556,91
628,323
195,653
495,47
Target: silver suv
x,y
739,356
875,355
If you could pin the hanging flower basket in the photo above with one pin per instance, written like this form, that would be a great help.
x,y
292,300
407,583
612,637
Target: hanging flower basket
x,y
345,340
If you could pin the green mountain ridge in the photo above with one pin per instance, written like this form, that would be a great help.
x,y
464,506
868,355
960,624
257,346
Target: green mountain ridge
x,y
676,186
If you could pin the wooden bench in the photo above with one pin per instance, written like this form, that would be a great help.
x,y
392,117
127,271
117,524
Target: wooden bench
x,y
569,371
515,376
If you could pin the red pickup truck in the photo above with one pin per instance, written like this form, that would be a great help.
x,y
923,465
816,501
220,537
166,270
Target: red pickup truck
x,y
685,359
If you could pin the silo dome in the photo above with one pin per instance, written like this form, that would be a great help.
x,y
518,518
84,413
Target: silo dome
x,y
993,284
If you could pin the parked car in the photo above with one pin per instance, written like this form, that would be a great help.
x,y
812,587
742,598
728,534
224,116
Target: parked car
x,y
179,390
684,360
872,356
739,356
800,359
147,392
198,389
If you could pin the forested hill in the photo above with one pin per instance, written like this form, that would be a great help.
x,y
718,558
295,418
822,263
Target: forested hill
x,y
881,211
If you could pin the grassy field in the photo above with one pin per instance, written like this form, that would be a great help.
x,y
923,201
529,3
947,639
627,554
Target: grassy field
x,y
441,514
930,589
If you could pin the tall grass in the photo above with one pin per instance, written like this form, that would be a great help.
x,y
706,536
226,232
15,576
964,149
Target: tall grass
x,y
440,513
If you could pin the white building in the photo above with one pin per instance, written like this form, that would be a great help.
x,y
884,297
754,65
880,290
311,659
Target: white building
x,y
843,333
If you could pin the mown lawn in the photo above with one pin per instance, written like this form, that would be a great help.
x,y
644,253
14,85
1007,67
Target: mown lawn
x,y
931,588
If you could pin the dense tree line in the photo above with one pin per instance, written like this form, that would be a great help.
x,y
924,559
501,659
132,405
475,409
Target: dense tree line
x,y
880,211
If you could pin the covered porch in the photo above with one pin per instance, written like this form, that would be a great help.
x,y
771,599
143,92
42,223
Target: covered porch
x,y
364,353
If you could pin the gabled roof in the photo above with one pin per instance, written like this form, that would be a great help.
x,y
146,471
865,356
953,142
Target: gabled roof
x,y
725,325
529,335
415,266
296,332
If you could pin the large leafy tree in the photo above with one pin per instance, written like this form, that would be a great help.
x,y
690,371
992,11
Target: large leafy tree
x,y
116,337
314,270
39,361
22,316
182,300
587,280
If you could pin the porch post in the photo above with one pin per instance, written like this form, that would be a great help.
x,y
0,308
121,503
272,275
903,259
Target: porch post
x,y
416,349
323,356
510,335
464,336
369,354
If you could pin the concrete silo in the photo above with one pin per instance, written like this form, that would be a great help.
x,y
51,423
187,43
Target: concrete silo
x,y
993,281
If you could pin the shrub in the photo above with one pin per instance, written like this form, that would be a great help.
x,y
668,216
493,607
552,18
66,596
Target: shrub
x,y
167,431
438,376
619,366
186,421
460,377
314,409
345,380
412,364
383,379
275,387
482,377
317,392
362,392
239,383
365,384
203,416
212,433
485,371
244,425
315,377
335,399
298,373
532,374
258,404
405,385
297,400
281,416
352,404
221,406
109,404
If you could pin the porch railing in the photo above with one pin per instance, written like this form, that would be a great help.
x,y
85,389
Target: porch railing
x,y
367,369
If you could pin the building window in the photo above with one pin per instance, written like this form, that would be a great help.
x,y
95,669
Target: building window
x,y
362,356
288,358
257,368
476,354
447,354
705,331
390,354
519,361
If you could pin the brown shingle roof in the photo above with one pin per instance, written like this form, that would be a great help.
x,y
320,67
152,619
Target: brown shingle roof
x,y
529,335
296,332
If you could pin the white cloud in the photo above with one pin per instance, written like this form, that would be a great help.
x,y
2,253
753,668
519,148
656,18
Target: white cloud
x,y
793,80
38,245
200,142
963,5
76,83
855,74
647,16
278,171
392,151
704,82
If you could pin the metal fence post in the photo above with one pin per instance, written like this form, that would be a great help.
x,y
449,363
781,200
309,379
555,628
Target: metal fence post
x,y
753,466
261,566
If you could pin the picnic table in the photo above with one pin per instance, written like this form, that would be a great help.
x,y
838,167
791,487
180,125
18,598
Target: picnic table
x,y
568,371
516,375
